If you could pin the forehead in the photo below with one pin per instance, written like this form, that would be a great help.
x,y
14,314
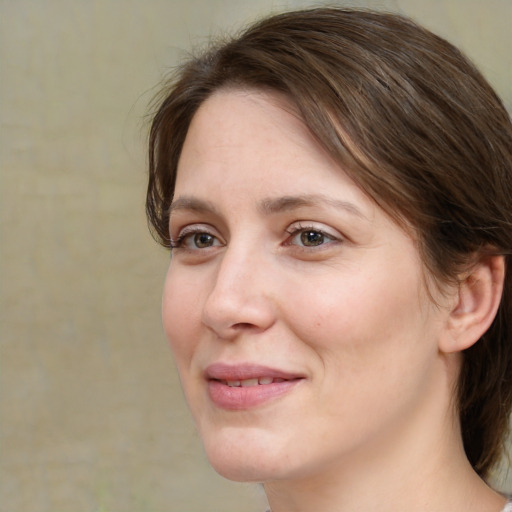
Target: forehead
x,y
247,117
258,133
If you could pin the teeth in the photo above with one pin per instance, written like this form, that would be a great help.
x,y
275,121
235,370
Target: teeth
x,y
252,382
247,383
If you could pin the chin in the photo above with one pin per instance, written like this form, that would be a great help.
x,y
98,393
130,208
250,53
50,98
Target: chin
x,y
239,471
245,455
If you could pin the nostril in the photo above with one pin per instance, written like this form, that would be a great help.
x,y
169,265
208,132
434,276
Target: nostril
x,y
244,325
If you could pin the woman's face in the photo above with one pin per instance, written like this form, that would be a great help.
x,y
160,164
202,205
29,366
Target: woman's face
x,y
295,307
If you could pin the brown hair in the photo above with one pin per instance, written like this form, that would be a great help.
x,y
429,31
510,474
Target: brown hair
x,y
413,123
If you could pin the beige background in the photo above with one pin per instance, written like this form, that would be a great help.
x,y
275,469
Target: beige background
x,y
92,418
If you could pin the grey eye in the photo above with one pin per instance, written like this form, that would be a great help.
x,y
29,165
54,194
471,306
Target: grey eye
x,y
203,240
312,238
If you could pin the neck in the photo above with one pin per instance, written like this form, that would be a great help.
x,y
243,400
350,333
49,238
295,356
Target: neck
x,y
416,487
417,465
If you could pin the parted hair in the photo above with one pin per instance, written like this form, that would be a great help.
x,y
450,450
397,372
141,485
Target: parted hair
x,y
413,123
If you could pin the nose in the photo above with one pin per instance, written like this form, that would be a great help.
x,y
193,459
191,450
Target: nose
x,y
240,298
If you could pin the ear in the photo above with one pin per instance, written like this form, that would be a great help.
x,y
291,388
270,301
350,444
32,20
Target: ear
x,y
476,304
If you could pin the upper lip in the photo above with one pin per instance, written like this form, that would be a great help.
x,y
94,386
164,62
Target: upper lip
x,y
234,372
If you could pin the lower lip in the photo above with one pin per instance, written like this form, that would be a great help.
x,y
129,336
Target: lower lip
x,y
238,398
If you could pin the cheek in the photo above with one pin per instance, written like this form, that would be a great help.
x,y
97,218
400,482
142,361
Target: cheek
x,y
180,316
362,317
372,350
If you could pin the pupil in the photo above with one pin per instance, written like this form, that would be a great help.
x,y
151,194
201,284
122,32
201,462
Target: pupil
x,y
203,240
311,238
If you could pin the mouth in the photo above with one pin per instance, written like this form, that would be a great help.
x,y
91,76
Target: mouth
x,y
241,387
247,383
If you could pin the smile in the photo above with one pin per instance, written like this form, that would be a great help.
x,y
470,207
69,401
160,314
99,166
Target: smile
x,y
247,386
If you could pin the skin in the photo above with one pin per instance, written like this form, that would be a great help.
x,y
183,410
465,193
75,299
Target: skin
x,y
345,308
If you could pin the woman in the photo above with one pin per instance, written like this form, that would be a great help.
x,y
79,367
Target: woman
x,y
335,188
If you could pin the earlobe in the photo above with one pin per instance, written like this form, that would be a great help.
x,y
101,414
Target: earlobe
x,y
477,301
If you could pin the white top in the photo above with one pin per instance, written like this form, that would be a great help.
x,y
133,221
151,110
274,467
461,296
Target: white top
x,y
508,507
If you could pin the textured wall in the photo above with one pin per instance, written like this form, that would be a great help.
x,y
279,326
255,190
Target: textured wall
x,y
91,416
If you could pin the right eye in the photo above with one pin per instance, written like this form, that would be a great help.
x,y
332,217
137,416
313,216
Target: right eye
x,y
195,240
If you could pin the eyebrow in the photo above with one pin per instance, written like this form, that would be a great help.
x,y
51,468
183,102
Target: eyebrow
x,y
288,203
191,203
270,206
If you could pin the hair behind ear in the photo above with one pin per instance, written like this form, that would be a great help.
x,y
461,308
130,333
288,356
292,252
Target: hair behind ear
x,y
485,386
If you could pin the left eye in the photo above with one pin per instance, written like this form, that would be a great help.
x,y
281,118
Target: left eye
x,y
310,237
